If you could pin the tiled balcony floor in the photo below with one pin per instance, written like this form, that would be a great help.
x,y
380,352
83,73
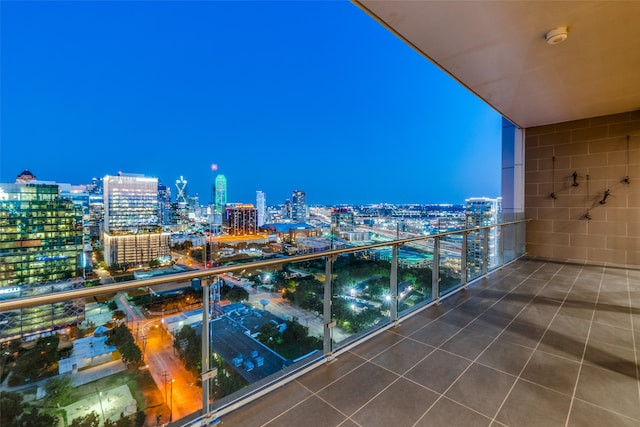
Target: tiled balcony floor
x,y
536,343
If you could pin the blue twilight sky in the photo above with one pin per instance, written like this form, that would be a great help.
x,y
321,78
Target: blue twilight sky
x,y
280,95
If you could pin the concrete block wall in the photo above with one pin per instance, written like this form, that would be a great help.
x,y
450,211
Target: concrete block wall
x,y
596,150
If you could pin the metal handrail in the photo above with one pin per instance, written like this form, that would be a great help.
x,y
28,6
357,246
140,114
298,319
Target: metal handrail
x,y
31,301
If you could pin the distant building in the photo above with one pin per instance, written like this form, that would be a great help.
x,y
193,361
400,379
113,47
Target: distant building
x,y
299,206
220,194
342,221
131,228
290,232
182,190
240,220
96,216
261,207
25,177
42,248
480,212
286,210
179,214
164,204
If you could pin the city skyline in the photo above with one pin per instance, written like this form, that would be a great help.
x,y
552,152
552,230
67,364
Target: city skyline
x,y
278,100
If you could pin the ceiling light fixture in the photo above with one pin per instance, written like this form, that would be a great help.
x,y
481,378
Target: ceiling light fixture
x,y
557,35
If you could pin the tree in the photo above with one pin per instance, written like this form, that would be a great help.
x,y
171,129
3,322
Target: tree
x,y
58,390
119,315
237,294
90,420
192,351
11,406
131,353
34,419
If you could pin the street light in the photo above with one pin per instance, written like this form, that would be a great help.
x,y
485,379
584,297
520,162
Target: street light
x,y
101,408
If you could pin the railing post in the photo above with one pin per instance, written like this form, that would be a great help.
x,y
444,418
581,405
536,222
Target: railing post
x,y
464,268
435,272
327,321
205,348
393,278
485,250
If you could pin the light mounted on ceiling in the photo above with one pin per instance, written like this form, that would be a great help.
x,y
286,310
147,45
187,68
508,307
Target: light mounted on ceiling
x,y
557,35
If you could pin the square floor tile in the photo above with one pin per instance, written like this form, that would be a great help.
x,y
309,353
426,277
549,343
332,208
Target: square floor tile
x,y
505,356
585,414
467,343
552,371
438,370
435,333
403,356
523,334
330,372
402,404
488,325
611,358
356,388
263,410
382,343
448,413
314,409
610,390
481,388
611,335
531,405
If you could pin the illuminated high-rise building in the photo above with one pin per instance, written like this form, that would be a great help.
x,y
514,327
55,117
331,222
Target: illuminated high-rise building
x,y
240,220
299,206
261,207
41,237
220,199
164,204
131,228
480,212
181,190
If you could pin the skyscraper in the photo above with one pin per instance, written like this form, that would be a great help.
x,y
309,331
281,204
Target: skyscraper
x,y
260,206
299,206
164,204
240,220
182,190
480,212
220,194
41,235
131,228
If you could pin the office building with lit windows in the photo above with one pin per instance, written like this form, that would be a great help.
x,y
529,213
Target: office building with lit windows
x,y
261,207
220,194
132,233
240,220
299,206
481,212
41,247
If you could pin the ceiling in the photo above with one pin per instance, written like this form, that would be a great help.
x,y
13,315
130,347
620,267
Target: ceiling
x,y
497,50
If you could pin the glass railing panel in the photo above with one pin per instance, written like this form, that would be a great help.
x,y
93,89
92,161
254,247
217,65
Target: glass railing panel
x,y
415,274
496,247
475,253
277,324
450,263
361,295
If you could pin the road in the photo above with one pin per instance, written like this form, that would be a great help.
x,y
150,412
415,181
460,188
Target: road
x,y
172,379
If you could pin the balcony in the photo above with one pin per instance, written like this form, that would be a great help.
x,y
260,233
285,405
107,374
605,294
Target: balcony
x,y
538,342
307,314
